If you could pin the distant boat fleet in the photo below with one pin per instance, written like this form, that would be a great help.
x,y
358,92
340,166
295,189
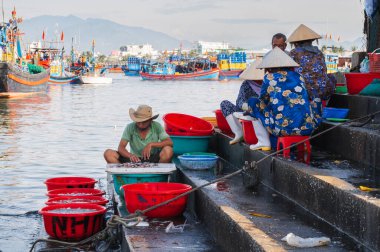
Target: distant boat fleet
x,y
226,67
46,65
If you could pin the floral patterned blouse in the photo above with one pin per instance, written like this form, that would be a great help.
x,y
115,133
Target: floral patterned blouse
x,y
283,106
313,69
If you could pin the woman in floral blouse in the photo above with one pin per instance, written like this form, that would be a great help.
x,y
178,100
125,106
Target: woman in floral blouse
x,y
283,107
250,87
319,84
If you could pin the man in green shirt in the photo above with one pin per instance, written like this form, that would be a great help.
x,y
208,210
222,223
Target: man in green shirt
x,y
147,139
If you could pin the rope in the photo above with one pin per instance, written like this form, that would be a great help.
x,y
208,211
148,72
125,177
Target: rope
x,y
137,217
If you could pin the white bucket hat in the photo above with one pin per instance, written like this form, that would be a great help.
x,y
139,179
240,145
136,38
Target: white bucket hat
x,y
253,73
277,58
142,113
303,33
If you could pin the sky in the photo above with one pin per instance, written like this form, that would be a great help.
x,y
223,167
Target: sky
x,y
246,23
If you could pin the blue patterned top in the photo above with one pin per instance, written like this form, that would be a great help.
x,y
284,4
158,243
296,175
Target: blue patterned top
x,y
313,69
284,107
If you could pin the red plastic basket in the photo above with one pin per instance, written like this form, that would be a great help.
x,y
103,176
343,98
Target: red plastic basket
x,y
182,123
144,195
73,226
374,61
69,182
98,200
357,81
74,192
222,122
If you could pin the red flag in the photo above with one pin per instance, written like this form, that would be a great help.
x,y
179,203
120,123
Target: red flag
x,y
62,36
43,35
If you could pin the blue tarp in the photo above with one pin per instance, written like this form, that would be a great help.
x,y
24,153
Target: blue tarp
x,y
370,7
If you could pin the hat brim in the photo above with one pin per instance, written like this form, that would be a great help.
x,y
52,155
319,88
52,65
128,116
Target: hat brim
x,y
136,119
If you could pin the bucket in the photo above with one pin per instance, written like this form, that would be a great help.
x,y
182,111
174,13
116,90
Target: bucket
x,y
248,132
144,195
222,122
176,122
125,179
73,222
183,144
69,182
74,192
98,200
358,81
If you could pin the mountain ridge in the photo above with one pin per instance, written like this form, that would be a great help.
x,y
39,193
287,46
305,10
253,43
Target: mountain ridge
x,y
108,34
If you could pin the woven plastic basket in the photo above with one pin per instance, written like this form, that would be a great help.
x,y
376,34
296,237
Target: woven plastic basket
x,y
198,162
374,61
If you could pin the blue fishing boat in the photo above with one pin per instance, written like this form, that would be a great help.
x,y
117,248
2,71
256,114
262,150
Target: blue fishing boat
x,y
231,65
133,67
58,75
200,69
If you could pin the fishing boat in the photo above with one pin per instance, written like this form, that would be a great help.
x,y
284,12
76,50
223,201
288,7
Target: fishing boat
x,y
16,75
58,75
231,65
115,69
192,70
133,67
93,73
15,80
95,79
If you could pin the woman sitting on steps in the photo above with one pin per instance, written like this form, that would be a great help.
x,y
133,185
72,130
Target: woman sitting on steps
x,y
283,107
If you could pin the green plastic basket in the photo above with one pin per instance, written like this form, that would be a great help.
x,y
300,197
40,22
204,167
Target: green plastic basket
x,y
341,90
124,179
183,144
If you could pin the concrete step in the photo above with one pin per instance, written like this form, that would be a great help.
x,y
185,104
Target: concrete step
x,y
324,193
232,215
360,144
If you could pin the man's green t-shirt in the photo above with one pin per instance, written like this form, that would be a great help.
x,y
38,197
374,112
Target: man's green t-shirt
x,y
131,134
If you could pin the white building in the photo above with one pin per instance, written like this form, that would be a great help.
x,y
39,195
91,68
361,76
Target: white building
x,y
204,46
138,50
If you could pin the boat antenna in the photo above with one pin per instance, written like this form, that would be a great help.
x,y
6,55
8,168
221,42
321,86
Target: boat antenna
x,y
2,9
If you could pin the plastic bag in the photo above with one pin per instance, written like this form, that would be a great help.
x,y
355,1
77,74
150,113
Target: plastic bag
x,y
296,241
364,65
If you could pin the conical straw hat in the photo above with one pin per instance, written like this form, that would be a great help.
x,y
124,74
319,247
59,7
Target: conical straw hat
x,y
277,58
252,73
303,33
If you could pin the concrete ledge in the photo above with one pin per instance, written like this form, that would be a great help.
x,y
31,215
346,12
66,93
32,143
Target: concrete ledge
x,y
359,105
321,192
353,143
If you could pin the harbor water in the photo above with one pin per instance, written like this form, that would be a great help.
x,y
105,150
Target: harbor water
x,y
65,132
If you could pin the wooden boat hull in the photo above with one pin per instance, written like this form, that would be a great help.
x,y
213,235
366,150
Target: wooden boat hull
x,y
229,74
201,75
131,73
61,80
115,70
13,80
95,80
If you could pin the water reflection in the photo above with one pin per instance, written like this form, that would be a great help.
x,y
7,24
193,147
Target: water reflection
x,y
65,132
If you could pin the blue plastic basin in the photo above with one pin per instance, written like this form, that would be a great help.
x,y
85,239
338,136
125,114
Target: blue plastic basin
x,y
124,179
183,144
329,112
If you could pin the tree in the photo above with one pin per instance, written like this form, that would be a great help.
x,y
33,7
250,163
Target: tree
x,y
341,50
324,48
102,58
354,48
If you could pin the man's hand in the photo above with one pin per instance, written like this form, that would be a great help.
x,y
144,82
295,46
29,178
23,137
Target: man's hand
x,y
134,158
146,151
